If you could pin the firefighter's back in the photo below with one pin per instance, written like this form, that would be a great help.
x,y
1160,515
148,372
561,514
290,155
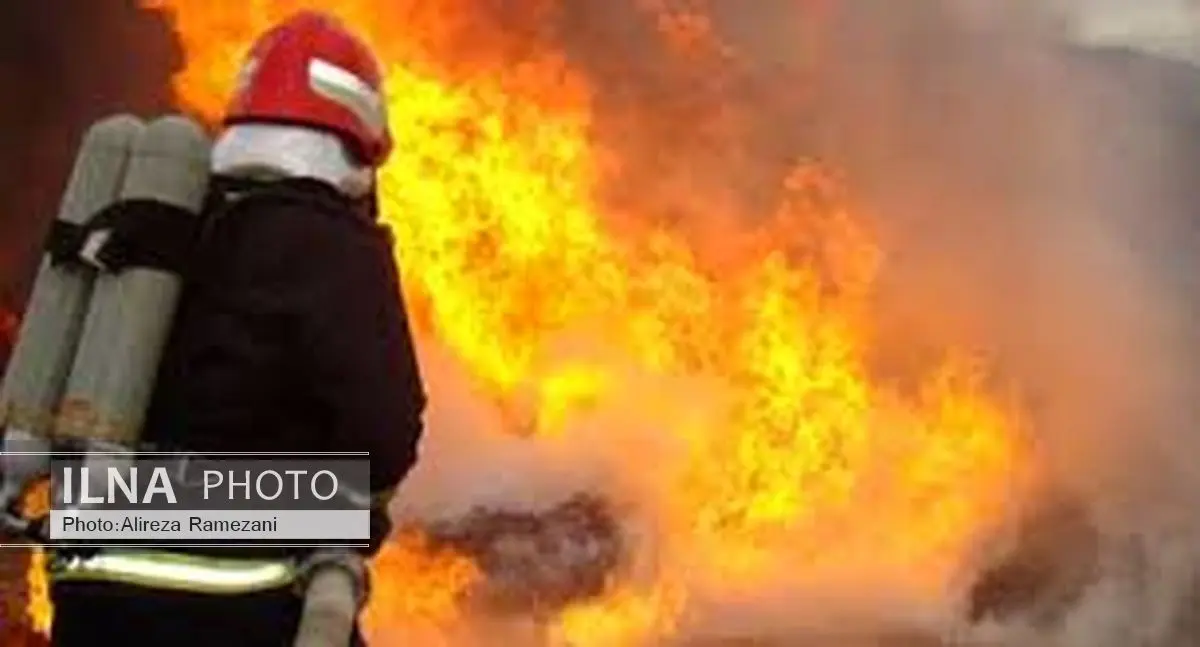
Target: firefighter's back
x,y
291,336
231,379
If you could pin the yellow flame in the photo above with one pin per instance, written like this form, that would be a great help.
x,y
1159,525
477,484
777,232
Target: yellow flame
x,y
513,264
38,611
417,583
626,616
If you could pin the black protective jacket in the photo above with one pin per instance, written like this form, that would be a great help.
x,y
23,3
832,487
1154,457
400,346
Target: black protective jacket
x,y
292,335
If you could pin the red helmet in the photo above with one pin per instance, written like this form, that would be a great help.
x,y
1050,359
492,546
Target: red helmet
x,y
310,70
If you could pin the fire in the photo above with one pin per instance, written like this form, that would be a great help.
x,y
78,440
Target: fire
x,y
808,464
38,611
418,583
625,617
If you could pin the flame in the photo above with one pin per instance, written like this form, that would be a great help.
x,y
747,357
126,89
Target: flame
x,y
546,297
624,617
38,611
420,584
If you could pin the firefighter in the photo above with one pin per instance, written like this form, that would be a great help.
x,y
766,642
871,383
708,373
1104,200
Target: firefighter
x,y
291,335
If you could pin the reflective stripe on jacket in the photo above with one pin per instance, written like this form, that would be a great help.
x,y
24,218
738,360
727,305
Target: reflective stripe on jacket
x,y
178,572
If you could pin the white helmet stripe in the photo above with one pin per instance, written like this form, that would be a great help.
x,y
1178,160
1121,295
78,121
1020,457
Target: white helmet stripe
x,y
346,89
246,76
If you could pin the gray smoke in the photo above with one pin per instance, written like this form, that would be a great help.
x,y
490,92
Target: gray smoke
x,y
1036,200
1029,165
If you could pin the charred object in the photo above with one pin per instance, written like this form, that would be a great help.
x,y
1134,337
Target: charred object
x,y
536,562
1053,561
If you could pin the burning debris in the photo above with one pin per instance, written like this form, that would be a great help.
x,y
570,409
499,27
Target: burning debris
x,y
1056,557
536,562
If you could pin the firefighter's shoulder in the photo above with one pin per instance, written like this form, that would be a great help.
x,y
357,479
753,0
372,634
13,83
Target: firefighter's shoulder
x,y
300,211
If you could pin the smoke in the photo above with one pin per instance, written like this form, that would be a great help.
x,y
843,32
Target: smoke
x,y
1035,201
64,64
1033,198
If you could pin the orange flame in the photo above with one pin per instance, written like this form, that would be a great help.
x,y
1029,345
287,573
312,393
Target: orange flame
x,y
38,611
808,464
420,584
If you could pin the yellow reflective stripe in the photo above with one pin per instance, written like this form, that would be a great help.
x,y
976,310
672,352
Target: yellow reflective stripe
x,y
181,572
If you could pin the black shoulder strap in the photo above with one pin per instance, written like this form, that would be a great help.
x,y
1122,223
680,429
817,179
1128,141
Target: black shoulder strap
x,y
152,234
129,233
65,241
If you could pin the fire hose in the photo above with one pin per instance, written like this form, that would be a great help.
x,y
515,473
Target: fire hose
x,y
335,585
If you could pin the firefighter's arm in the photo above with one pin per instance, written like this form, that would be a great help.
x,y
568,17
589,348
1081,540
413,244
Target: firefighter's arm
x,y
353,334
